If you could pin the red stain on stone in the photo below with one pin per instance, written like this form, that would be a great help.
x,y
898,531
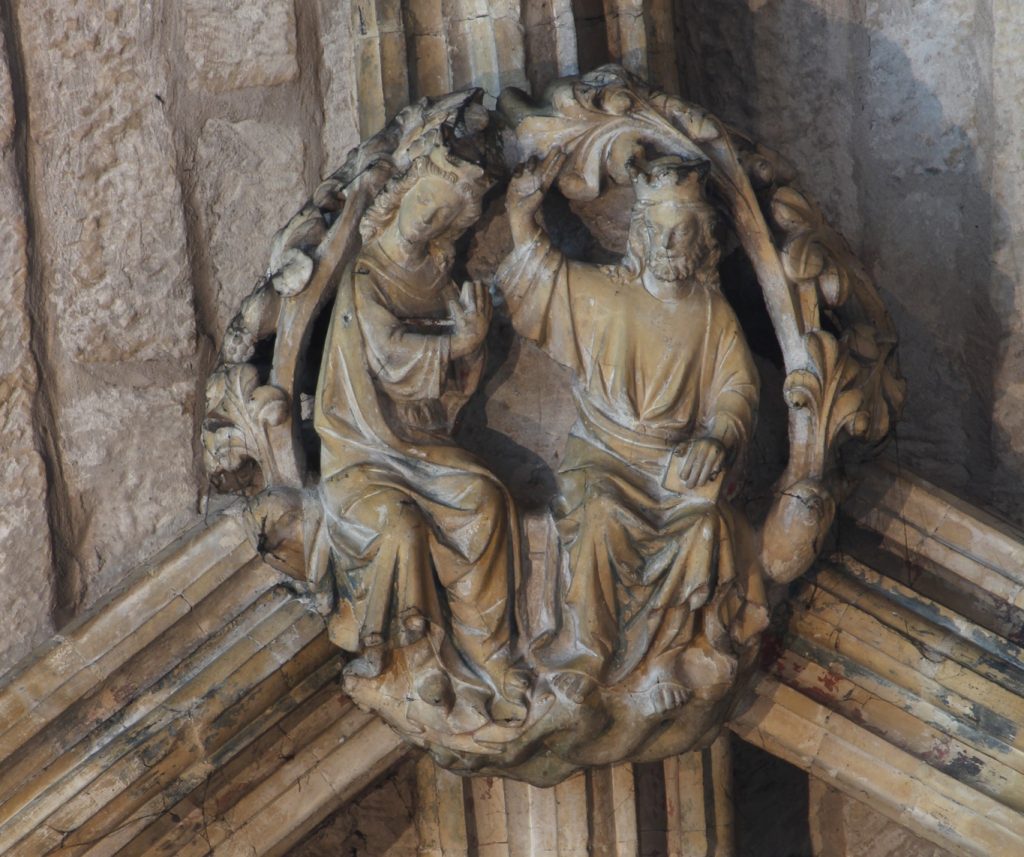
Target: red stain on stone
x,y
830,681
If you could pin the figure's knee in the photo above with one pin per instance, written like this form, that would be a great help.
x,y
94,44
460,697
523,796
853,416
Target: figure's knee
x,y
388,511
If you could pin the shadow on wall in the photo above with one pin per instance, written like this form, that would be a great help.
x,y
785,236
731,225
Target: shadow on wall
x,y
891,135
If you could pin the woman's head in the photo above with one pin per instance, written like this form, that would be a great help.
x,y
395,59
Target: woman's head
x,y
431,204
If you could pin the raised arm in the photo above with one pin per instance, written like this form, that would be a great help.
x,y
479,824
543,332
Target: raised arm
x,y
530,182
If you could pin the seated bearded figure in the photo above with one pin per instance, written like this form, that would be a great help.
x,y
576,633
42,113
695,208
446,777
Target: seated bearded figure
x,y
422,537
658,583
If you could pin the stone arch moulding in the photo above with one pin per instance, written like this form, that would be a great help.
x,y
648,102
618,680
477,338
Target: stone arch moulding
x,y
619,616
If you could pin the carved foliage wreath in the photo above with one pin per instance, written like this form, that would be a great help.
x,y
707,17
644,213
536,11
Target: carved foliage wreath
x,y
837,340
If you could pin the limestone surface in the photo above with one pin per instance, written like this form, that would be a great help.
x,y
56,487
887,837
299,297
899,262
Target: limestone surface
x,y
238,43
250,183
111,230
844,827
127,504
25,556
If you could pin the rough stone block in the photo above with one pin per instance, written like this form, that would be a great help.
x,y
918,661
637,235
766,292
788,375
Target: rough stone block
x,y
233,44
128,461
338,80
250,183
25,556
111,236
379,822
1008,252
844,827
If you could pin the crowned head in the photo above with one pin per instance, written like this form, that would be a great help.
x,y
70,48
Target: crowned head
x,y
671,179
672,231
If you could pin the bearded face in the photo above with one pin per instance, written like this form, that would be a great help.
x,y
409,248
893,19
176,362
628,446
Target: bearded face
x,y
675,239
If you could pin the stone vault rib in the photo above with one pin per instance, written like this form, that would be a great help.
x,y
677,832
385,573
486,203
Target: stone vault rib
x,y
887,689
197,711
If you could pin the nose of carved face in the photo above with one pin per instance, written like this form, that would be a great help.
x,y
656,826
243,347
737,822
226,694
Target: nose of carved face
x,y
426,225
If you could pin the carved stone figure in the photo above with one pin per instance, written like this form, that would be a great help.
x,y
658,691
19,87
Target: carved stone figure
x,y
621,622
659,568
423,537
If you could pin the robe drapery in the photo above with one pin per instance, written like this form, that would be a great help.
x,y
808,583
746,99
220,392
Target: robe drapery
x,y
423,537
646,571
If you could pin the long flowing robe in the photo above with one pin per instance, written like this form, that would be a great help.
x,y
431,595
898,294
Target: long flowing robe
x,y
423,538
646,571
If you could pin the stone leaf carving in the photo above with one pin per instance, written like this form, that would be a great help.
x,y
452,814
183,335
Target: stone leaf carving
x,y
620,622
239,413
818,260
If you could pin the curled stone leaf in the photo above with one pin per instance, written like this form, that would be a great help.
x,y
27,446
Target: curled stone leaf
x,y
239,412
294,274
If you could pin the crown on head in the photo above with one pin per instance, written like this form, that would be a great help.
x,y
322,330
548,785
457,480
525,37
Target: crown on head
x,y
463,171
433,154
671,179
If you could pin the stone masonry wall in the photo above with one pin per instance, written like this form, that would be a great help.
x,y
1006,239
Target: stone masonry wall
x,y
905,118
149,151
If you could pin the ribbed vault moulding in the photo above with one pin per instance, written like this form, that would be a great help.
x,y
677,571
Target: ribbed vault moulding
x,y
197,711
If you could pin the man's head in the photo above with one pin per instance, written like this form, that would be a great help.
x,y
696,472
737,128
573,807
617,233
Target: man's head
x,y
672,230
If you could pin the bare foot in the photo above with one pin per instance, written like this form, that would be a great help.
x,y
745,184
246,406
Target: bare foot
x,y
368,665
665,697
517,683
508,711
572,685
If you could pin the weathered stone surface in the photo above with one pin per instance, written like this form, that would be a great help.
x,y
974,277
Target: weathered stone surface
x,y
25,559
127,457
380,822
843,827
250,183
238,43
1008,241
786,73
924,197
111,231
904,120
6,99
338,80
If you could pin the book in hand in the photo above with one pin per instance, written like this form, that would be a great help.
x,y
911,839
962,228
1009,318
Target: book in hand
x,y
672,481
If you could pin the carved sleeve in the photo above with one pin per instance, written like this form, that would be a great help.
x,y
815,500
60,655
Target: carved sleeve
x,y
730,400
408,365
536,280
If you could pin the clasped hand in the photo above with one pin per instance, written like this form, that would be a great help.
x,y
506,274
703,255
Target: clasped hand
x,y
471,317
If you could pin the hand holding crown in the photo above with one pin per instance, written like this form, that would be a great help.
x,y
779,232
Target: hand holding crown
x,y
530,181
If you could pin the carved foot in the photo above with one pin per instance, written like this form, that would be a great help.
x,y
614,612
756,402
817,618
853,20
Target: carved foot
x,y
665,697
574,686
367,665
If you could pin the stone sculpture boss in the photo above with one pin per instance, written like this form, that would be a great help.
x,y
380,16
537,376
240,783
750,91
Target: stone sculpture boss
x,y
629,635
